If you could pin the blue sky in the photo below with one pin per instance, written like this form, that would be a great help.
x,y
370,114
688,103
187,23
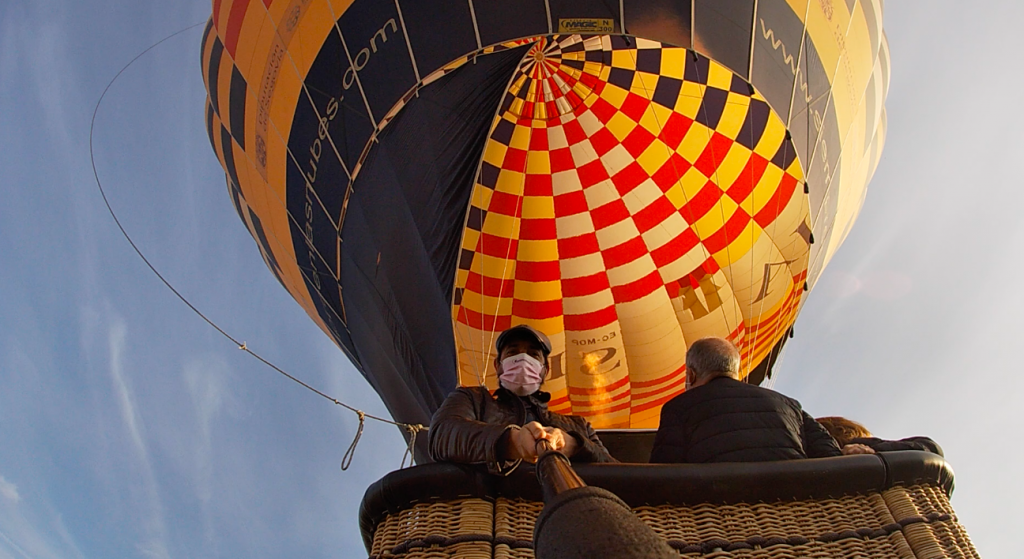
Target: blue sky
x,y
129,428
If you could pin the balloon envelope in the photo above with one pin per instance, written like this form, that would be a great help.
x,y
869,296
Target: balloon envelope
x,y
627,179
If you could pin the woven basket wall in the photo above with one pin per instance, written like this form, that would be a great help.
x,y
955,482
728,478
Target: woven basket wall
x,y
901,523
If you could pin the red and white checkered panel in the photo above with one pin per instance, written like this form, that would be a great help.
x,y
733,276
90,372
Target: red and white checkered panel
x,y
632,198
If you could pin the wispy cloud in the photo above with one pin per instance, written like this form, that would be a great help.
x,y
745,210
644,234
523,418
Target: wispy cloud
x,y
129,413
8,43
154,525
35,531
12,546
9,491
207,386
207,380
40,40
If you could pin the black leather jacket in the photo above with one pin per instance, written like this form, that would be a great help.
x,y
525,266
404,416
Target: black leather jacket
x,y
471,427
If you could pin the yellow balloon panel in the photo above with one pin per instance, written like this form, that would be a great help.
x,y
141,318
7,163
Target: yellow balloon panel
x,y
633,197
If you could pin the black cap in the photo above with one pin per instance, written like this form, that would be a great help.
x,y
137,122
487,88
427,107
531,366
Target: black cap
x,y
523,331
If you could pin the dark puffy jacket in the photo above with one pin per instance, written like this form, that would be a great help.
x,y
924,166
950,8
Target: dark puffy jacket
x,y
731,421
470,428
912,443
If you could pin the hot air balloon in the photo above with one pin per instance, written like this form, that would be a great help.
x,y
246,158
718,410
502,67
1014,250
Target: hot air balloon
x,y
626,177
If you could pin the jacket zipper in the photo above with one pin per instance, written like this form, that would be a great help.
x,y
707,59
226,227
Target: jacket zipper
x,y
521,410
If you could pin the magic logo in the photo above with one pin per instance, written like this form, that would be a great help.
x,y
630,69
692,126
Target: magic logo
x,y
586,25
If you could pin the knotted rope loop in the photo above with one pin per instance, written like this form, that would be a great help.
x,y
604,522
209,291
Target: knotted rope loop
x,y
413,431
346,460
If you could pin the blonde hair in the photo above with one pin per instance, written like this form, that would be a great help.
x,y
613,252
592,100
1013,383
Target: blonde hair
x,y
843,430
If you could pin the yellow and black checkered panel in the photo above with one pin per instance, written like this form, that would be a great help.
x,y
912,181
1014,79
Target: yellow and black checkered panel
x,y
232,127
632,198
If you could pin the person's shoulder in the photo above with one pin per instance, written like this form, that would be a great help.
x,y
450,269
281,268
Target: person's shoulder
x,y
761,390
729,383
743,389
473,392
733,386
737,384
911,443
681,398
793,402
684,401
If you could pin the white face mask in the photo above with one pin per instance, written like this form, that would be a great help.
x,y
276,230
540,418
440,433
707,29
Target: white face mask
x,y
522,374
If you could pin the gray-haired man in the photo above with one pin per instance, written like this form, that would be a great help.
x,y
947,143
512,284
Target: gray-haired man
x,y
722,419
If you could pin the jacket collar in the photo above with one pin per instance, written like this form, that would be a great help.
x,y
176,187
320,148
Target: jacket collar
x,y
539,399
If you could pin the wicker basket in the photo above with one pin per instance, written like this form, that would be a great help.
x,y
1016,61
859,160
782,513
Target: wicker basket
x,y
908,518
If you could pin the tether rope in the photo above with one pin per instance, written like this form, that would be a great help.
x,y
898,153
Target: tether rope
x,y
347,459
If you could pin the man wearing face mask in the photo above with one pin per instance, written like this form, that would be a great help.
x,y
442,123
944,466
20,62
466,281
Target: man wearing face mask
x,y
501,430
